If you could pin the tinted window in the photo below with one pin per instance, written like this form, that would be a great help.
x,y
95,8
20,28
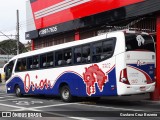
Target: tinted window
x,y
33,62
97,48
77,55
64,57
59,58
86,57
50,59
139,42
8,69
47,60
68,56
102,50
21,65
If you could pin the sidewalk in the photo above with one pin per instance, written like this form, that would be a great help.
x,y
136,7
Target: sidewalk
x,y
144,98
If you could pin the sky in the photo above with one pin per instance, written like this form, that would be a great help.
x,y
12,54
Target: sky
x,y
8,19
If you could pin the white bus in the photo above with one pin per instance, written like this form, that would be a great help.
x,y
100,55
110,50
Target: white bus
x,y
116,63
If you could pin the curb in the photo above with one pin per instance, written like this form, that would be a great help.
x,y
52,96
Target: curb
x,y
150,101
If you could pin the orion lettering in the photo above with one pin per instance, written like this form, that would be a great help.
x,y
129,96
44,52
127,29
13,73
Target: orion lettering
x,y
30,84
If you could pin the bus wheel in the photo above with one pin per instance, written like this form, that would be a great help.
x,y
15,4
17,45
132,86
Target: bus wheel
x,y
66,94
18,91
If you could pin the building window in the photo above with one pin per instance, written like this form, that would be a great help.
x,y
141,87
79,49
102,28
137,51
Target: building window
x,y
52,40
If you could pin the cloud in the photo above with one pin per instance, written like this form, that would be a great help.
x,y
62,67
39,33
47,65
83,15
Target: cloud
x,y
8,19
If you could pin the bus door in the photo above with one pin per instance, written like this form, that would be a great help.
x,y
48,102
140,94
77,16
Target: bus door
x,y
140,59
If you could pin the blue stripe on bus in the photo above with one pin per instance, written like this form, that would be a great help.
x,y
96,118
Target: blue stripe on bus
x,y
75,83
149,69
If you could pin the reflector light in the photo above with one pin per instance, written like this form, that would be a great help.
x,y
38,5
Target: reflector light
x,y
123,77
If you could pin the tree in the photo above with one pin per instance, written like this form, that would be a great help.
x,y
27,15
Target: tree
x,y
10,47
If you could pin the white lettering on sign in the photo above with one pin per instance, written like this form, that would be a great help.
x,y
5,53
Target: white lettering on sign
x,y
48,30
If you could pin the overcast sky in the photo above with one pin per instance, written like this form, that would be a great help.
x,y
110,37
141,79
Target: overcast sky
x,y
8,18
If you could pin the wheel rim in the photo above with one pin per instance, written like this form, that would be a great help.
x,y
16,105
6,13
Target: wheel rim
x,y
65,94
18,91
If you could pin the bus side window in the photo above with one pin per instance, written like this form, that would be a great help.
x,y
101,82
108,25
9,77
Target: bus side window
x,y
43,59
96,51
86,58
29,63
107,49
60,58
68,56
77,55
21,65
18,65
46,60
50,61
35,63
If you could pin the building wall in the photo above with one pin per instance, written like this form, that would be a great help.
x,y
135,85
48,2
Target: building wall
x,y
79,16
52,40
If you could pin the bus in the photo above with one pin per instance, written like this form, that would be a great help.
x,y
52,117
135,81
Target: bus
x,y
113,64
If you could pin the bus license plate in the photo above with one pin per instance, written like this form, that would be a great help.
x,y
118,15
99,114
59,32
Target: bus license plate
x,y
143,88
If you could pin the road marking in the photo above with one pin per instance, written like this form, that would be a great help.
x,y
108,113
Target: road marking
x,y
80,118
108,107
54,105
11,106
63,115
2,97
27,102
8,96
13,99
105,107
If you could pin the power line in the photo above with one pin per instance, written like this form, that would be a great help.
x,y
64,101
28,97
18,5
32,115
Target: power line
x,y
8,35
5,35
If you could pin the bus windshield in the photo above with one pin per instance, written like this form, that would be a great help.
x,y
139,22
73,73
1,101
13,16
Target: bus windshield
x,y
142,42
8,70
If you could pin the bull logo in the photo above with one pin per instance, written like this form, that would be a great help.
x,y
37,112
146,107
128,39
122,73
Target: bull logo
x,y
140,40
93,75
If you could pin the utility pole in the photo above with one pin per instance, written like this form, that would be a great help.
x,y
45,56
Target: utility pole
x,y
17,32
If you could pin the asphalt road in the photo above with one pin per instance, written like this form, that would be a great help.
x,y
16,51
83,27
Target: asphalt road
x,y
136,107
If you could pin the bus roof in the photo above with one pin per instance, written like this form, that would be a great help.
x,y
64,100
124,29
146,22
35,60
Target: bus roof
x,y
67,45
59,46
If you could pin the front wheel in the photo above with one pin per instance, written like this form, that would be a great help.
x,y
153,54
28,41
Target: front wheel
x,y
18,91
66,94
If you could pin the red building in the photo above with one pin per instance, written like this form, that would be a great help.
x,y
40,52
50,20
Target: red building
x,y
57,21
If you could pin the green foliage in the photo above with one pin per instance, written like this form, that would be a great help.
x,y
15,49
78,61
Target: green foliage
x,y
10,47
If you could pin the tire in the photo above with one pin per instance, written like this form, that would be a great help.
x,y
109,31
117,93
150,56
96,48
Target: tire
x,y
66,94
18,91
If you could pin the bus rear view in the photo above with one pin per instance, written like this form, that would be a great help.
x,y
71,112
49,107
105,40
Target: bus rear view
x,y
138,75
